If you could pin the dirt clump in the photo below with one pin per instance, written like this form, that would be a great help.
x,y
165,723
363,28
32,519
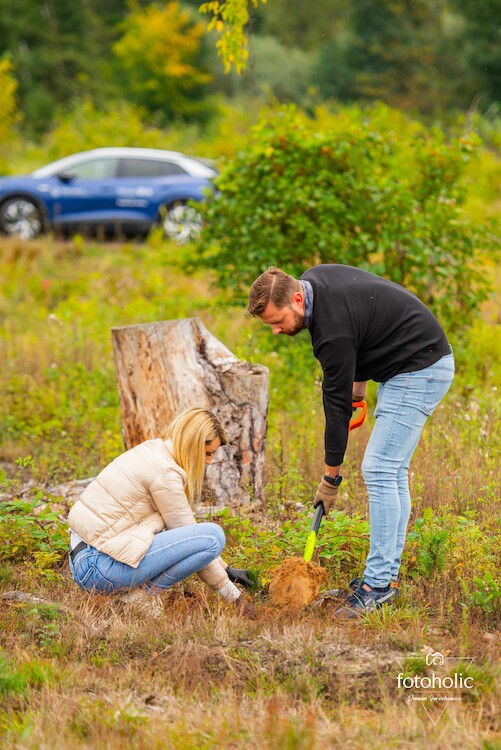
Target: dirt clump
x,y
296,583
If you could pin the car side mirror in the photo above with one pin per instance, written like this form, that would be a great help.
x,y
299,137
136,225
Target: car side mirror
x,y
66,176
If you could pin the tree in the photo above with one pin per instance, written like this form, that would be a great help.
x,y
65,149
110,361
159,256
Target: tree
x,y
395,52
303,25
229,19
481,37
9,114
58,49
367,188
159,55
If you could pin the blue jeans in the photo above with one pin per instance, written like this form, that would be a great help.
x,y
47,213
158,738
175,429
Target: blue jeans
x,y
404,403
173,555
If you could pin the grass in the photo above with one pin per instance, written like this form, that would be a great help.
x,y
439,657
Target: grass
x,y
78,671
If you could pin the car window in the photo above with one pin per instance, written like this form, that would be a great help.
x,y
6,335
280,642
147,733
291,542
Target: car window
x,y
94,169
148,168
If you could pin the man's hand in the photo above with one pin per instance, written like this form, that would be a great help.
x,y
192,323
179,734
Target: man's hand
x,y
244,577
359,390
326,494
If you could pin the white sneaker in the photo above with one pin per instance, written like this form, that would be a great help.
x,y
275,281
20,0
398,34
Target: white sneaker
x,y
143,601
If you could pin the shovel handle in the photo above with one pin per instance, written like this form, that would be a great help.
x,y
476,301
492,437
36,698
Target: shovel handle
x,y
360,418
312,536
317,518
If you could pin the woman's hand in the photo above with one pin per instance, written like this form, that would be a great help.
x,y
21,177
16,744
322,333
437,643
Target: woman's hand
x,y
242,576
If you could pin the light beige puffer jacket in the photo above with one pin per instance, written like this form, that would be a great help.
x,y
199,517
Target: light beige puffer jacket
x,y
137,495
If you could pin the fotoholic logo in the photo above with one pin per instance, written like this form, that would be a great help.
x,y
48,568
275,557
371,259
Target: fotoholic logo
x,y
434,681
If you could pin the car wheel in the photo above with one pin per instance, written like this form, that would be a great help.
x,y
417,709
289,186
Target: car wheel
x,y
181,222
21,217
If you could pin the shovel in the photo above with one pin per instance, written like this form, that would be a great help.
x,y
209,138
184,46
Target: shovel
x,y
320,512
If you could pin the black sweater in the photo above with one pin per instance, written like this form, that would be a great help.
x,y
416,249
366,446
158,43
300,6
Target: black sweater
x,y
364,327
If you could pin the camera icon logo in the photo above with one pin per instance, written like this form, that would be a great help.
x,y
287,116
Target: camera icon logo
x,y
434,659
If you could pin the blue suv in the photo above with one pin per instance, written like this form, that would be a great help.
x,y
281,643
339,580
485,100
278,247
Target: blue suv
x,y
127,190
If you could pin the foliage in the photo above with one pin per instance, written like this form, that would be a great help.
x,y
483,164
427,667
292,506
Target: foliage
x,y
16,678
454,547
159,56
31,531
59,51
12,681
341,545
433,545
480,45
297,25
394,46
487,594
86,126
9,115
357,192
404,53
278,72
229,19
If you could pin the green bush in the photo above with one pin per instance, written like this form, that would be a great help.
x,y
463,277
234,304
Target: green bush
x,y
487,594
452,545
369,189
342,544
30,530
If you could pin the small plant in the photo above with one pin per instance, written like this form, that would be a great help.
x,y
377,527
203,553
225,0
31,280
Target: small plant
x,y
487,595
433,545
24,532
30,531
342,544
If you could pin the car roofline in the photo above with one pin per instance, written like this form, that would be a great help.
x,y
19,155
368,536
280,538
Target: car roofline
x,y
65,162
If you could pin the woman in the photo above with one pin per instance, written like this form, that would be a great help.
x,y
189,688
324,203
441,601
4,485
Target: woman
x,y
133,525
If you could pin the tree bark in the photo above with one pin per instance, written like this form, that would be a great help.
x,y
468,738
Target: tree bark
x,y
165,367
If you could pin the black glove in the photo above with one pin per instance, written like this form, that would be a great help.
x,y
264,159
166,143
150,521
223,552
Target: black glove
x,y
244,577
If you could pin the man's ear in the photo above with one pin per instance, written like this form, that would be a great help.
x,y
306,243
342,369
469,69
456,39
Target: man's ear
x,y
298,298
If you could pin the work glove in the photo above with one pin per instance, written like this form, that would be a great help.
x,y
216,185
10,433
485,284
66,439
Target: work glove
x,y
244,577
326,494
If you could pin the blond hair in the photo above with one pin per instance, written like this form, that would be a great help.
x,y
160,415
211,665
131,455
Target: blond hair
x,y
190,432
274,285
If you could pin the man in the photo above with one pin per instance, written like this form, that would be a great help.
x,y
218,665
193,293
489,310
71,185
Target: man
x,y
362,328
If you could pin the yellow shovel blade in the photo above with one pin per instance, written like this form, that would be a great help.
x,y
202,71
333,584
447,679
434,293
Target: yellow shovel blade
x,y
310,545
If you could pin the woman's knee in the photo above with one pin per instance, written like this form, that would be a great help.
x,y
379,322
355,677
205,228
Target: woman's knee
x,y
217,533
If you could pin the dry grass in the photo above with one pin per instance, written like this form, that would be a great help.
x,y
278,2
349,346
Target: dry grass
x,y
203,678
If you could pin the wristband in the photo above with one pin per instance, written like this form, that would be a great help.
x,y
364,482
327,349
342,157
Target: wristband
x,y
335,481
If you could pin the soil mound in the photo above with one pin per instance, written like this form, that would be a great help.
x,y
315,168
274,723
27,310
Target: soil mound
x,y
296,583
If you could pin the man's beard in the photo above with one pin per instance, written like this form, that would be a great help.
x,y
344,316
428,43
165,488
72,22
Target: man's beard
x,y
298,324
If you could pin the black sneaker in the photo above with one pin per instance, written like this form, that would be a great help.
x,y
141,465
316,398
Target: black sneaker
x,y
365,599
356,582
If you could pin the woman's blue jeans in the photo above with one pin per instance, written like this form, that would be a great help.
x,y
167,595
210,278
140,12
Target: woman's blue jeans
x,y
404,403
173,555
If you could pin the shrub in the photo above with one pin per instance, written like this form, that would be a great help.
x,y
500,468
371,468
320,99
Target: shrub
x,y
30,530
373,190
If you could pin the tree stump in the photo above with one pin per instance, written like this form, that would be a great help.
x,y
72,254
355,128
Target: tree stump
x,y
165,367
